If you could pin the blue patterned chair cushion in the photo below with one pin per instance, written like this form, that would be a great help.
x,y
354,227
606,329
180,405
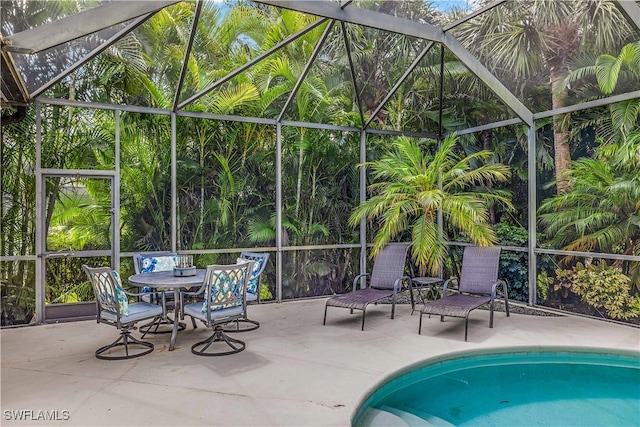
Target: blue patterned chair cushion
x,y
149,264
252,286
225,294
123,301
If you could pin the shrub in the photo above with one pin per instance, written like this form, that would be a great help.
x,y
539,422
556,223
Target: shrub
x,y
543,283
265,293
603,287
514,265
563,282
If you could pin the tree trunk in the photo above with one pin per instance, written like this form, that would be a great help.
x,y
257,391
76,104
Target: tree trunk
x,y
562,40
560,134
487,144
299,179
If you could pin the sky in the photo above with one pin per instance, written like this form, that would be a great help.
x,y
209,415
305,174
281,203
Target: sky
x,y
447,5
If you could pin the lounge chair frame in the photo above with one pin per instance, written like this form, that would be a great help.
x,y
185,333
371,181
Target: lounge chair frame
x,y
386,281
478,285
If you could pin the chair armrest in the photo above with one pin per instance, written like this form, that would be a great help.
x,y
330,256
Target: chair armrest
x,y
191,294
200,291
397,285
355,280
194,293
134,294
494,289
446,285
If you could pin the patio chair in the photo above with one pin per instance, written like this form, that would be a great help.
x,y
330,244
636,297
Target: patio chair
x,y
478,285
114,309
386,281
253,287
148,263
225,301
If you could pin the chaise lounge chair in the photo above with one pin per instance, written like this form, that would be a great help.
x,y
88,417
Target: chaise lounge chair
x,y
478,285
386,281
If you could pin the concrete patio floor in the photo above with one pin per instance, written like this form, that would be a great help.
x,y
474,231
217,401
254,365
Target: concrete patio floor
x,y
294,371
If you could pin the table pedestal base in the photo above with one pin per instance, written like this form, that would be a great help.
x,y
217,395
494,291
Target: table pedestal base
x,y
155,327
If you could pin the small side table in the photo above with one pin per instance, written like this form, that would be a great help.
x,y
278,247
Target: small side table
x,y
419,283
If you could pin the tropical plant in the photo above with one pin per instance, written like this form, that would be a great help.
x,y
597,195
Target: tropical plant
x,y
613,74
543,283
530,37
410,187
605,287
602,210
563,282
514,265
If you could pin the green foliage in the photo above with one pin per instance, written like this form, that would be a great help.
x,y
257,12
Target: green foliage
x,y
601,211
514,265
18,294
563,281
265,293
226,170
410,186
613,74
603,287
543,283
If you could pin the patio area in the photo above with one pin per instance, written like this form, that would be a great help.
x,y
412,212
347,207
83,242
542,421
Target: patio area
x,y
294,371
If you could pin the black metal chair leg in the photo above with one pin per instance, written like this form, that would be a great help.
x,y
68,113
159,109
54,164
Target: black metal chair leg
x,y
238,322
125,340
466,326
218,336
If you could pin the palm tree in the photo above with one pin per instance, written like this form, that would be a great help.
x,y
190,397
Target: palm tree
x,y
613,74
410,187
528,37
602,210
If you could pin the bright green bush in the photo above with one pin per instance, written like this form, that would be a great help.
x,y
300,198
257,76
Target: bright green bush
x,y
608,288
265,293
543,283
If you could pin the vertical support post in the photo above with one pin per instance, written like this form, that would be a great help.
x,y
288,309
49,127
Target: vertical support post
x,y
440,216
115,202
279,211
174,186
40,229
363,198
532,189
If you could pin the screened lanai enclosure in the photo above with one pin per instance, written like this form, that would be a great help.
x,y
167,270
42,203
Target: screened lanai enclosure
x,y
211,127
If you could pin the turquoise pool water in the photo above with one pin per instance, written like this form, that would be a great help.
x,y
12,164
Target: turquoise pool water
x,y
510,387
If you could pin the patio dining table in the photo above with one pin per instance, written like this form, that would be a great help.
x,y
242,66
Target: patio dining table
x,y
166,279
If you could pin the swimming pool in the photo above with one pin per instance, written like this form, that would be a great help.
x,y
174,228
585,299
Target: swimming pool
x,y
525,386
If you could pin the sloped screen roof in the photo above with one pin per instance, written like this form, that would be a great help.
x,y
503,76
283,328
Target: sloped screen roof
x,y
278,59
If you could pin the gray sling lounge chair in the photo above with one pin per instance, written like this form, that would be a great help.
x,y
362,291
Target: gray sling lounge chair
x,y
386,281
478,285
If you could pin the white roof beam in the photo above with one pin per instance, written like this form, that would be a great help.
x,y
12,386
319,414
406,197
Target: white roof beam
x,y
81,24
367,18
381,21
631,11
